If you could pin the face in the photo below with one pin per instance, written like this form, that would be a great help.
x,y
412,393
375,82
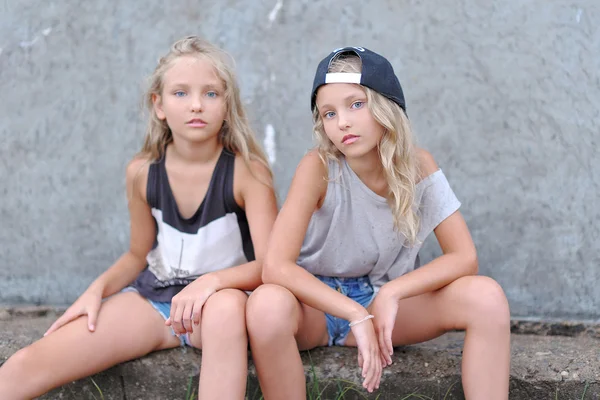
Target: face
x,y
347,121
192,100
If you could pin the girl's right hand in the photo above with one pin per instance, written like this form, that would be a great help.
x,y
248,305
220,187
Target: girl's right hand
x,y
87,304
368,354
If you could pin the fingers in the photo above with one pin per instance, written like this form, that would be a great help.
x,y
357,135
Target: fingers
x,y
365,368
67,317
176,315
92,318
187,318
382,360
181,315
372,373
197,312
385,343
388,343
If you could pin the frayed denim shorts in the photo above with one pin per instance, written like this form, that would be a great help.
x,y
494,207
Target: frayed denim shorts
x,y
164,309
358,289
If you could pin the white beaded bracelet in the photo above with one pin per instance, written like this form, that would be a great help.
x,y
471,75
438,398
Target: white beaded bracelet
x,y
368,317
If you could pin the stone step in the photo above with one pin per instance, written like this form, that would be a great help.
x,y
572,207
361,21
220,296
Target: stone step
x,y
542,367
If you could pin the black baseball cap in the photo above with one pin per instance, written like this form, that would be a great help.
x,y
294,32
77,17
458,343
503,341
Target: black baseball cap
x,y
377,74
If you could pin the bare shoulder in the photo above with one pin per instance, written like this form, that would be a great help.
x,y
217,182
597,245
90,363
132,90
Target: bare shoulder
x,y
252,180
312,165
136,175
255,171
426,163
311,177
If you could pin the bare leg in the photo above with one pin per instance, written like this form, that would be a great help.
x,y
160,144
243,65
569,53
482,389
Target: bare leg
x,y
277,326
224,342
128,327
473,303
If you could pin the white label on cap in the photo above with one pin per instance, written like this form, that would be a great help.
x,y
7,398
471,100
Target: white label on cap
x,y
342,77
355,48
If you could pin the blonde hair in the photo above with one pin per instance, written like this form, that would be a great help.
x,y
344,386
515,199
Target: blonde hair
x,y
396,150
236,134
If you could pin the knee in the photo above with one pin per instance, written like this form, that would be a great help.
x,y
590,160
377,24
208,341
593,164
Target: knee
x,y
224,313
271,312
488,303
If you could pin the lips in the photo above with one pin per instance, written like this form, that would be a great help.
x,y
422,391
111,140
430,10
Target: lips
x,y
349,139
196,122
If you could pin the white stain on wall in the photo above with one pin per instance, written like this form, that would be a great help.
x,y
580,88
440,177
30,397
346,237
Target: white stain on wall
x,y
275,11
578,16
28,43
269,143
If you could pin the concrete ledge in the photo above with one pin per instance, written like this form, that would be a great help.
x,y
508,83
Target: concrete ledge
x,y
543,367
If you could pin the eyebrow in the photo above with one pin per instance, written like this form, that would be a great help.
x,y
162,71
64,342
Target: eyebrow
x,y
206,86
345,100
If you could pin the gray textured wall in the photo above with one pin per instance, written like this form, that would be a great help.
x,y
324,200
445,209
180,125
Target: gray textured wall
x,y
505,94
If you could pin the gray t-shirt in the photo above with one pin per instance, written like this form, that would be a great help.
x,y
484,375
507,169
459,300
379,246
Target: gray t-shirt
x,y
352,234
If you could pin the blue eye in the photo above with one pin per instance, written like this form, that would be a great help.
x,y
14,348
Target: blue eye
x,y
211,94
358,104
329,114
179,93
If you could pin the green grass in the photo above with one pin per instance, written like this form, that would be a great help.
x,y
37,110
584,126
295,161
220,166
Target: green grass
x,y
98,389
316,389
585,388
587,385
191,389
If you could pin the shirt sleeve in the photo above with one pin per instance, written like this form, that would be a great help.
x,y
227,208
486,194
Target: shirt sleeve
x,y
437,202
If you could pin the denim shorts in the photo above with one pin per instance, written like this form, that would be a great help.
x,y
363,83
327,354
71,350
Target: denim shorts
x,y
358,289
164,309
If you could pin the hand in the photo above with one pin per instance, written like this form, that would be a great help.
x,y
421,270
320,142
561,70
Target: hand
x,y
368,354
186,306
385,308
87,304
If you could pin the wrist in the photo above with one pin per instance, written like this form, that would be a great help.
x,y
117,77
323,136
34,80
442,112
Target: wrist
x,y
359,321
390,292
97,288
358,314
212,280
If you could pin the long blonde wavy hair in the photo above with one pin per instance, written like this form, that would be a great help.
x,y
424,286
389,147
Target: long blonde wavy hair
x,y
396,150
236,134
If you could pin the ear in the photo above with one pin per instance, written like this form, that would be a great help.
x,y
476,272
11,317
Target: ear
x,y
157,103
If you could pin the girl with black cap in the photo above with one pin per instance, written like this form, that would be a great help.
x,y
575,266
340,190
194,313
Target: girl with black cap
x,y
342,265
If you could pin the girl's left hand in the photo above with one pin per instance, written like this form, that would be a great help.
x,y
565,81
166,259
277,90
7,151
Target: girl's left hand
x,y
368,354
186,306
385,308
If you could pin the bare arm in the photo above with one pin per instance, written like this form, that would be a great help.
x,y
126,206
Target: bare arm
x,y
258,200
129,265
142,234
459,255
305,195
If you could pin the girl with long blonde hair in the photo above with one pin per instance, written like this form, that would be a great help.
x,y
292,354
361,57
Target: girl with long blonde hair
x,y
342,265
201,204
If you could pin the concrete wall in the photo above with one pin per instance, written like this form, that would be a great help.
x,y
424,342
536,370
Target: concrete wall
x,y
505,94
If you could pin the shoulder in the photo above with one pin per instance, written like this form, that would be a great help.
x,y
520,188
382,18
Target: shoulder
x,y
136,175
255,171
313,166
252,181
426,164
311,177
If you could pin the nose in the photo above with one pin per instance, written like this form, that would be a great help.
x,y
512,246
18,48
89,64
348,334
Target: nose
x,y
343,121
196,104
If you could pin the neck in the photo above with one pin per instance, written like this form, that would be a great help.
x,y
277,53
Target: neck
x,y
368,167
195,152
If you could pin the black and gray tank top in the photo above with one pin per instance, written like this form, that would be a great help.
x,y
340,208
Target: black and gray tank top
x,y
216,237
